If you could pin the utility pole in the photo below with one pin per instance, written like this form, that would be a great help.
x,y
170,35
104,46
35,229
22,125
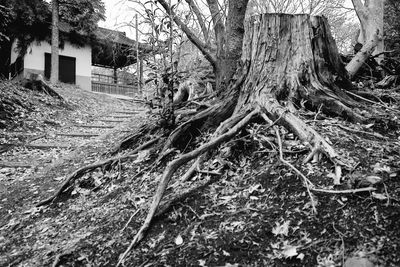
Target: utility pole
x,y
138,67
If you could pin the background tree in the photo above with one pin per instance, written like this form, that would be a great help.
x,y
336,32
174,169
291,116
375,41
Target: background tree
x,y
54,42
392,26
370,13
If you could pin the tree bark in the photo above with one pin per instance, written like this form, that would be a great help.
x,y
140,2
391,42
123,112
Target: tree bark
x,y
370,15
294,59
54,43
229,48
229,39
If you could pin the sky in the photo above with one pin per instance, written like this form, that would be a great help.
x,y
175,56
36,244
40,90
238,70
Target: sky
x,y
120,13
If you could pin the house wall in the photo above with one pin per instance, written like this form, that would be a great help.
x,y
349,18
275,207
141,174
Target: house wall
x,y
34,60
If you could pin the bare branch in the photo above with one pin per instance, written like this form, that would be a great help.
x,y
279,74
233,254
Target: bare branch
x,y
216,18
205,50
200,19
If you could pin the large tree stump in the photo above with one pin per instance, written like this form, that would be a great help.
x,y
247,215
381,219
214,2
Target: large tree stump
x,y
294,59
288,62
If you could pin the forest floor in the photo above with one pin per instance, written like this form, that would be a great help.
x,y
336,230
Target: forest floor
x,y
257,213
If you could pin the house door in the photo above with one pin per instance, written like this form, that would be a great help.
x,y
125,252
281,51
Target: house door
x,y
66,68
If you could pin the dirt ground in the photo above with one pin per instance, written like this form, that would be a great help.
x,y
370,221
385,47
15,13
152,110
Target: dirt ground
x,y
257,213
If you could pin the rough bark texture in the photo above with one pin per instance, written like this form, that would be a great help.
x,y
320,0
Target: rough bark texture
x,y
54,43
294,59
230,46
288,61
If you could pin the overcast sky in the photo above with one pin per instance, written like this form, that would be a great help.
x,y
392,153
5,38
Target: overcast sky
x,y
120,13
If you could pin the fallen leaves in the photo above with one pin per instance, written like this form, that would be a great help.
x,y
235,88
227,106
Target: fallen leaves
x,y
281,229
179,240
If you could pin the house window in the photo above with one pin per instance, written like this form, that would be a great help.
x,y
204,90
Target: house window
x,y
66,68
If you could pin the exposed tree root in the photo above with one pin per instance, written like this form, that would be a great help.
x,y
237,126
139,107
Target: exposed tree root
x,y
226,130
173,166
372,102
133,139
304,132
167,204
189,173
300,66
348,191
85,169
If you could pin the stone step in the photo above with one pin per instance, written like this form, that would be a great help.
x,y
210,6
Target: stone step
x,y
10,164
127,112
116,121
96,126
77,134
36,146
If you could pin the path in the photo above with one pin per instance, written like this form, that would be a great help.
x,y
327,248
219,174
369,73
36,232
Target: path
x,y
34,165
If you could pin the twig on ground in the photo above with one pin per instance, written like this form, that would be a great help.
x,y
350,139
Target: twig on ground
x,y
387,195
313,152
129,221
307,182
372,102
362,132
347,191
341,237
189,173
175,164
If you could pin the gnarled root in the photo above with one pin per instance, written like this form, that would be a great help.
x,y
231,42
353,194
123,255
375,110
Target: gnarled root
x,y
227,129
175,164
306,133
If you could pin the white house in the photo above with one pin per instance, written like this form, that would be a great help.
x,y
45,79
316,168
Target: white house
x,y
75,63
113,50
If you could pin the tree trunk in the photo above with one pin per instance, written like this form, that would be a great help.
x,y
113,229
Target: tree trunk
x,y
288,61
54,43
294,60
370,15
229,46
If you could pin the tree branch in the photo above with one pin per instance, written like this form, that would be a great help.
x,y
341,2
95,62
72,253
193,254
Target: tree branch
x,y
191,36
361,10
200,19
215,11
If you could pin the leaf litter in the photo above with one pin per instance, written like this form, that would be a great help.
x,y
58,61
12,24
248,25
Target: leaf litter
x,y
256,214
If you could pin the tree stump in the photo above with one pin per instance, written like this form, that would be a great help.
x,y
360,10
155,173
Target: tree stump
x,y
294,59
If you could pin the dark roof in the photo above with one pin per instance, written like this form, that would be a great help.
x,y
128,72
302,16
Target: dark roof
x,y
113,49
114,36
120,38
64,27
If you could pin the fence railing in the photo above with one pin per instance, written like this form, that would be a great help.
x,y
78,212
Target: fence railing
x,y
113,88
107,84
